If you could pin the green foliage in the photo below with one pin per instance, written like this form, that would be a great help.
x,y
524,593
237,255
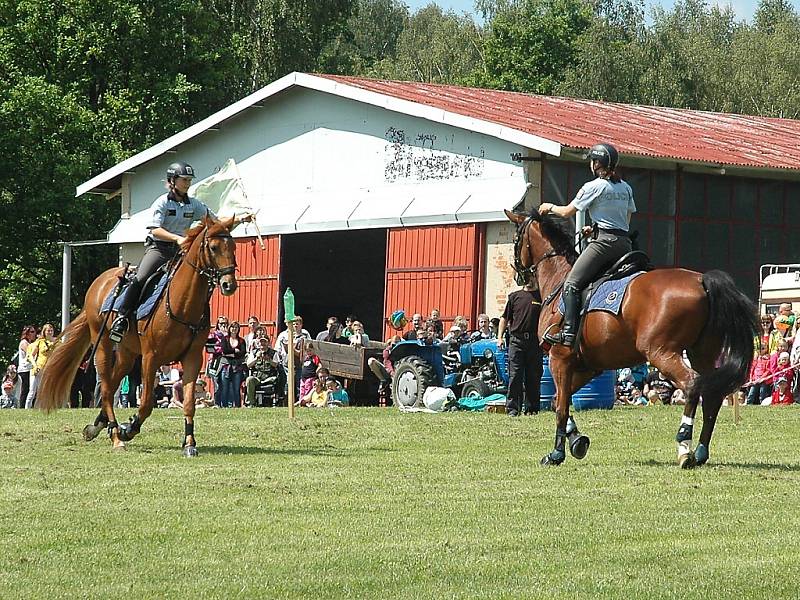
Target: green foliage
x,y
531,42
435,47
368,503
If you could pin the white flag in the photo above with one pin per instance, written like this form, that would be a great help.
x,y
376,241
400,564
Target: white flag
x,y
223,192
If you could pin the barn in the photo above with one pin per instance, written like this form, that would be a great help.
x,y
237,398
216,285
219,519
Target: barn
x,y
379,195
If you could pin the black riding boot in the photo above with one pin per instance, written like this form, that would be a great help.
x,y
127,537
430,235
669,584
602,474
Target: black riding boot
x,y
125,314
569,327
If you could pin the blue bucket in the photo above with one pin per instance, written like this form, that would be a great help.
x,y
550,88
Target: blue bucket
x,y
600,392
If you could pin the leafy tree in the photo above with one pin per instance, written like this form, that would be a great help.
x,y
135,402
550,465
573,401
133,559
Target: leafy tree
x,y
530,43
435,47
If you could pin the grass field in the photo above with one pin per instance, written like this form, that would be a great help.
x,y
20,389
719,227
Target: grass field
x,y
368,503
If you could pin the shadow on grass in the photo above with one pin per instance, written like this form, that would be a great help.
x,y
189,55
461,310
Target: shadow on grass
x,y
271,451
748,466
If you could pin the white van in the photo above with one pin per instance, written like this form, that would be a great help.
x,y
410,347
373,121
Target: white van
x,y
779,283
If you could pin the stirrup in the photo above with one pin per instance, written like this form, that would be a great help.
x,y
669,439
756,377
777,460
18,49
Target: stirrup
x,y
560,338
118,329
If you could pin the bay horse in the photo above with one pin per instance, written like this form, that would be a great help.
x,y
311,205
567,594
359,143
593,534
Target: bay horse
x,y
664,313
177,331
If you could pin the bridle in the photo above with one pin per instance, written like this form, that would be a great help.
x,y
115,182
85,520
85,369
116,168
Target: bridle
x,y
208,268
522,273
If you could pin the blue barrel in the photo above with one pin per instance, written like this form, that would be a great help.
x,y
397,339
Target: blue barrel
x,y
600,392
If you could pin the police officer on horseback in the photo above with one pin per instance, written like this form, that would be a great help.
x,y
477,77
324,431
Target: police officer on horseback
x,y
172,214
609,202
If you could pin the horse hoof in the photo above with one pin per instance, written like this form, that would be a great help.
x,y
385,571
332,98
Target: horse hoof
x,y
553,459
92,431
190,451
119,446
579,447
687,461
701,455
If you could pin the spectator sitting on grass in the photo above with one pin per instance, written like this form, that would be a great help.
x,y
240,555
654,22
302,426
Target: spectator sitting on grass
x,y
337,395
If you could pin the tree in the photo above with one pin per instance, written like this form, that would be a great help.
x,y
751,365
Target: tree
x,y
435,47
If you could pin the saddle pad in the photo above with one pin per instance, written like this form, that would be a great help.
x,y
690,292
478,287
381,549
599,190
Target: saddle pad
x,y
147,305
608,296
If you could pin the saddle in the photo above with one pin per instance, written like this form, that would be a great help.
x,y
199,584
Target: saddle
x,y
635,261
151,292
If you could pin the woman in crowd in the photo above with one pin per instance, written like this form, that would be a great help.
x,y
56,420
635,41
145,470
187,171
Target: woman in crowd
x,y
24,365
769,337
233,367
38,353
9,391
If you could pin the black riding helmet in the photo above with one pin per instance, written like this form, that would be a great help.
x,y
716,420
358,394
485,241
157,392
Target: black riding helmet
x,y
605,154
179,169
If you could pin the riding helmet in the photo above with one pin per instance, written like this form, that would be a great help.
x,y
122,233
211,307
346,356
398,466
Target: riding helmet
x,y
179,169
605,154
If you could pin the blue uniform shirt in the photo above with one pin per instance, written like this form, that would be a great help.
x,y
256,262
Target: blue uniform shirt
x,y
175,216
608,203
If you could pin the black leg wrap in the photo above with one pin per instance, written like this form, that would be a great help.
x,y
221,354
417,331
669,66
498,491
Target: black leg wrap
x,y
101,420
684,433
188,430
112,425
557,456
127,431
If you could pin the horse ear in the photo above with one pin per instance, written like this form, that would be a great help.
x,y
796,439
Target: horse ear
x,y
227,222
514,217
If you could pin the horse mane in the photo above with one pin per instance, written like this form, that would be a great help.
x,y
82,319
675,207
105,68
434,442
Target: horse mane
x,y
559,233
214,227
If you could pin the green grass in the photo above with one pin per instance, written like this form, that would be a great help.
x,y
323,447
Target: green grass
x,y
368,503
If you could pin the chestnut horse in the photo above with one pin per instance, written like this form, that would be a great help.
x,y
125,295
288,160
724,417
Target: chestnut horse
x,y
176,331
664,313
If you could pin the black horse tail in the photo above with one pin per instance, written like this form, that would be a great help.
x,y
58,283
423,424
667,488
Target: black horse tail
x,y
732,318
60,369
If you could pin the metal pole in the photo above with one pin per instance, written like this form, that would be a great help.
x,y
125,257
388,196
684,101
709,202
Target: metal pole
x,y
66,284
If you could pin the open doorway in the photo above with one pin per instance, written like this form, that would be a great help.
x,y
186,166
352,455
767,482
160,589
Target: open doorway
x,y
336,273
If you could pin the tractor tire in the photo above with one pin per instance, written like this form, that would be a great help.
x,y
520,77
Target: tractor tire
x,y
475,389
412,376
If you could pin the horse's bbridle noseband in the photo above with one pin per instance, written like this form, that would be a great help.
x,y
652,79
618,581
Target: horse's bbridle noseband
x,y
212,273
523,273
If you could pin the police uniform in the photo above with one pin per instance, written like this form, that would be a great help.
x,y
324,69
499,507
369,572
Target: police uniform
x,y
175,216
524,354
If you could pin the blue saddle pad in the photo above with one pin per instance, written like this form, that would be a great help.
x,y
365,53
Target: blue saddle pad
x,y
608,296
147,305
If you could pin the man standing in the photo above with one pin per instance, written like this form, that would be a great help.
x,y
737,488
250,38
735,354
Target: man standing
x,y
521,318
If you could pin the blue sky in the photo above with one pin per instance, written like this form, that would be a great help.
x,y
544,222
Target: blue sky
x,y
744,8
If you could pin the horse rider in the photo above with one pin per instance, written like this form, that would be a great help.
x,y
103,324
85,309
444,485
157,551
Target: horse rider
x,y
173,213
609,202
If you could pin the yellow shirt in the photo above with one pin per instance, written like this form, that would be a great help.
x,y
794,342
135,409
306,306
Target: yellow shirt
x,y
319,399
38,353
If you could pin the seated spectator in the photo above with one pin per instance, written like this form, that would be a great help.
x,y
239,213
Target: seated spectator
x,y
760,378
494,326
625,386
782,394
308,370
454,335
168,391
11,385
784,320
484,330
263,365
359,338
637,399
317,396
417,323
678,397
658,388
437,322
427,335
384,370
337,395
333,321
348,326
202,399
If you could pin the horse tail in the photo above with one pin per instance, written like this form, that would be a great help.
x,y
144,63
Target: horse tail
x,y
732,318
60,369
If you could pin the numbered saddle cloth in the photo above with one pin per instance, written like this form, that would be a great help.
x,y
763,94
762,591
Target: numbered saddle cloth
x,y
148,301
608,295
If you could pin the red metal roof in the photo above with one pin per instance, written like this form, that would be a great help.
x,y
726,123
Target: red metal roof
x,y
680,134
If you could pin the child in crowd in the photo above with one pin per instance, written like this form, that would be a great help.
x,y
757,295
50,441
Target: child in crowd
x,y
336,394
782,394
317,395
760,376
308,370
781,368
9,395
